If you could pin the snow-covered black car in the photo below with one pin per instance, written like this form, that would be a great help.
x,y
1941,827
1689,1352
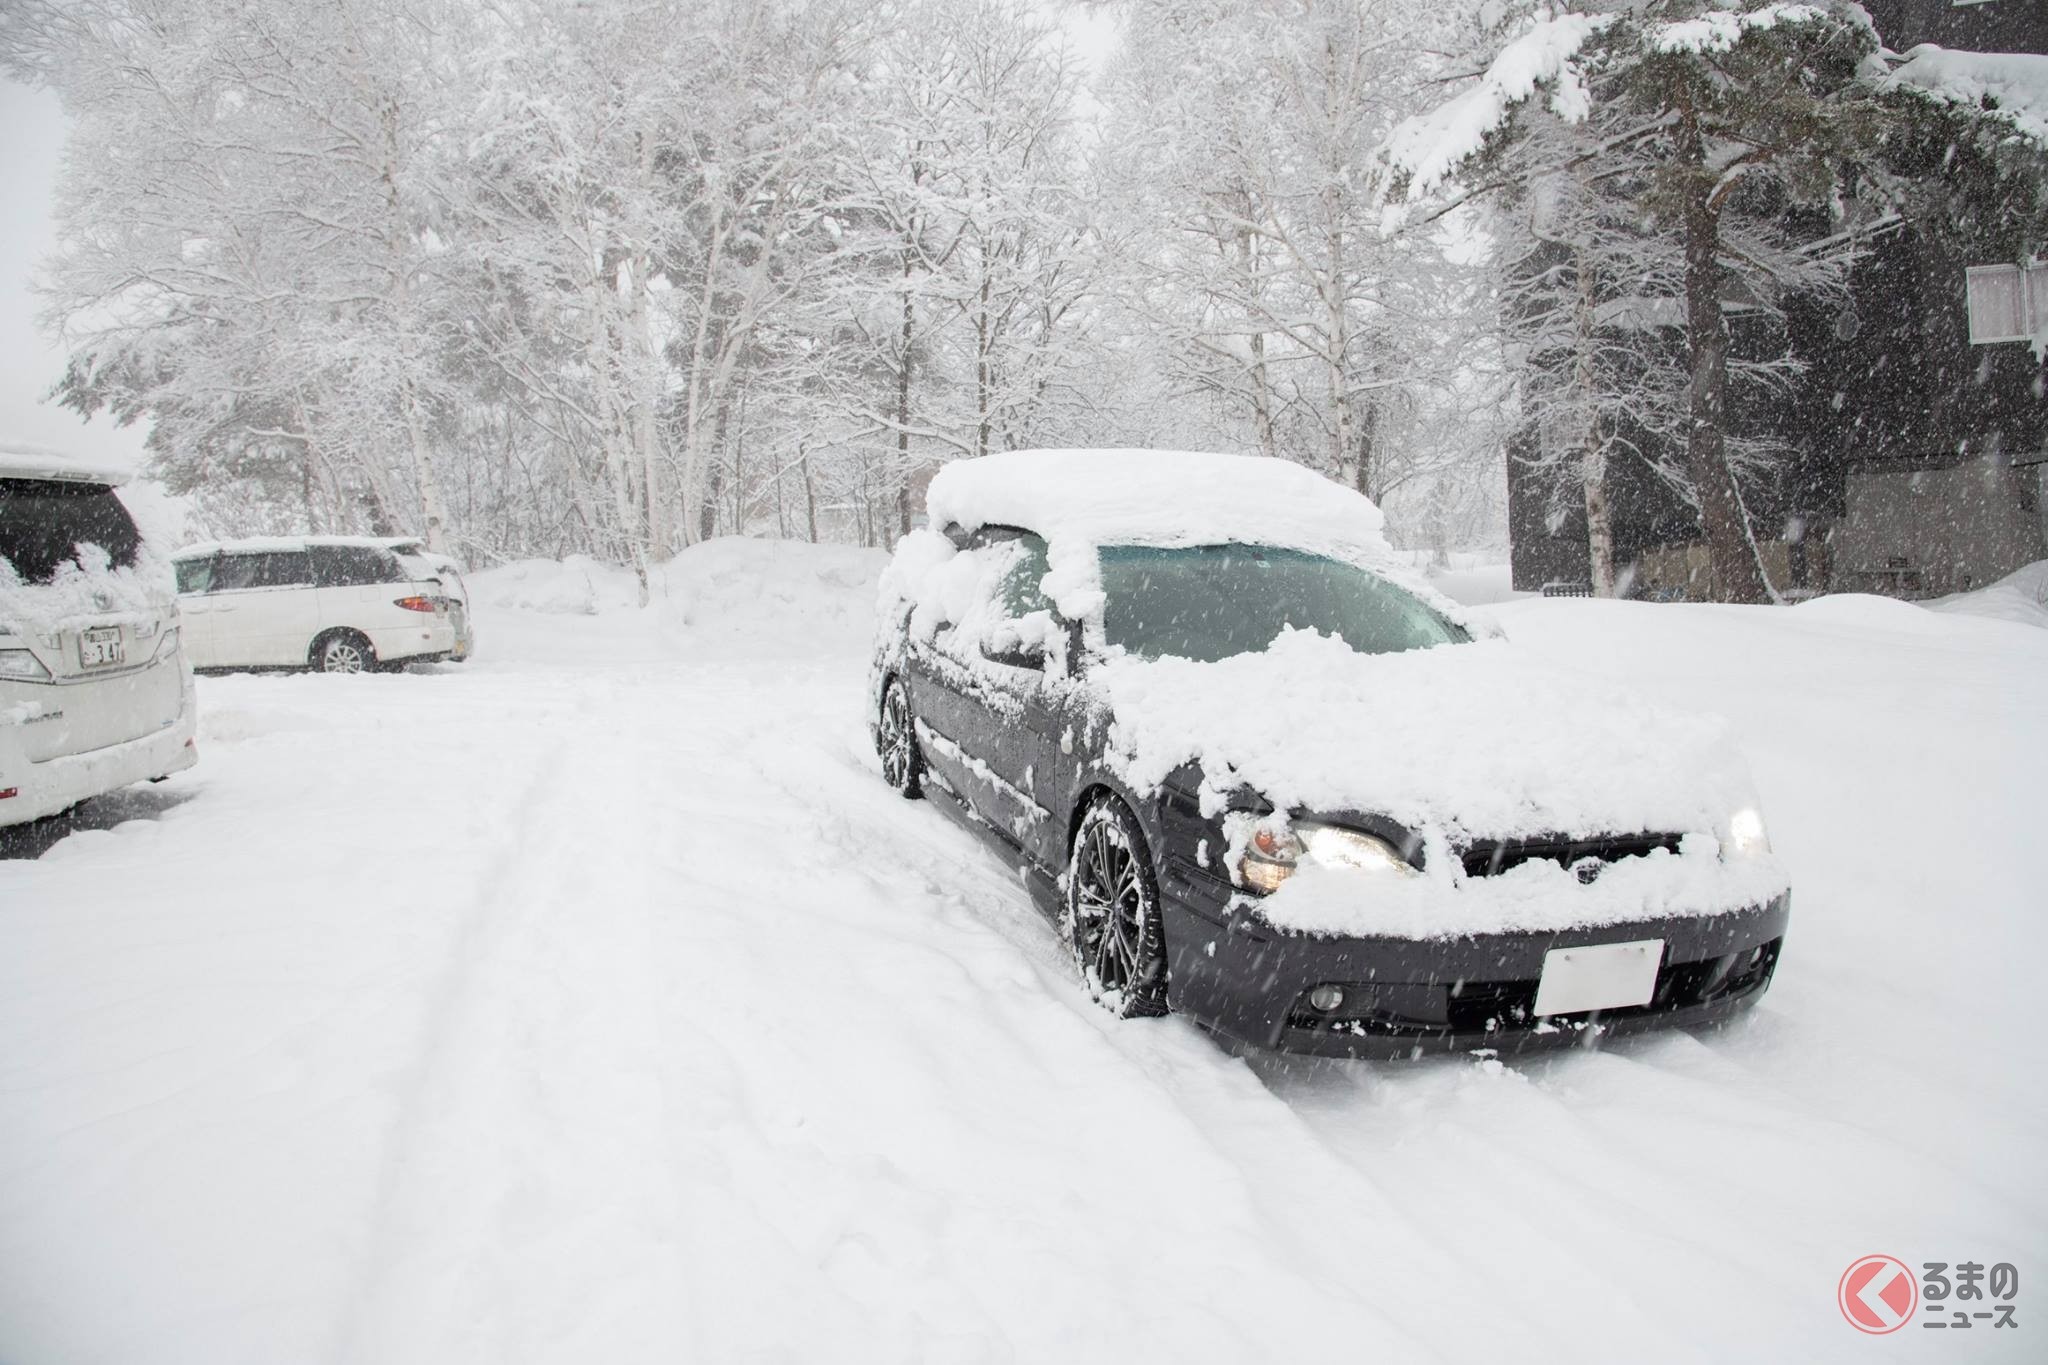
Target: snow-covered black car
x,y
1267,777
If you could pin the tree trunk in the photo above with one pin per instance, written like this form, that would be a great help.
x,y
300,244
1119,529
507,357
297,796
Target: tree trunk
x,y
903,407
1593,453
803,459
1368,431
1738,573
905,344
1338,340
1262,393
981,366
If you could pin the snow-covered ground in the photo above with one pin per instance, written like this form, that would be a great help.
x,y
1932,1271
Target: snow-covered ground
x,y
595,1002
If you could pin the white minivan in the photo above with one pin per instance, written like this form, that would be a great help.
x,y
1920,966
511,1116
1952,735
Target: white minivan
x,y
338,604
94,690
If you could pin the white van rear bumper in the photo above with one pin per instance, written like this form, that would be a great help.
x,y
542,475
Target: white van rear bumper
x,y
434,636
57,784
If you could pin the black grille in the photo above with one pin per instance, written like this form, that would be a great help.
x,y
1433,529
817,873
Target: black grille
x,y
1422,1010
1496,856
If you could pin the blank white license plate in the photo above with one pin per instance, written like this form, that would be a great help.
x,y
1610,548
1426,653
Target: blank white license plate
x,y
1599,976
100,647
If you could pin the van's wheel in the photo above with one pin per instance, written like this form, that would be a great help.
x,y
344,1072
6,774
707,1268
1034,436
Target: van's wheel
x,y
343,651
1113,912
896,742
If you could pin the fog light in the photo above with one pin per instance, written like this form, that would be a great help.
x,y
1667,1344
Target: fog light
x,y
1328,999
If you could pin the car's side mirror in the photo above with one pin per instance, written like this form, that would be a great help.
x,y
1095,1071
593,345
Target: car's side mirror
x,y
1016,656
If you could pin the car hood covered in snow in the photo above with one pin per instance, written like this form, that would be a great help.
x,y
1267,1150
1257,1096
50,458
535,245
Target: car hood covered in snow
x,y
1469,740
1457,744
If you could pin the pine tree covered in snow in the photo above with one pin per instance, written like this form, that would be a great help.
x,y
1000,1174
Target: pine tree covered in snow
x,y
1695,159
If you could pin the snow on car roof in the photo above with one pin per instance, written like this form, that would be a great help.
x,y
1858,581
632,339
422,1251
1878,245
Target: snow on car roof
x,y
278,545
1080,500
19,460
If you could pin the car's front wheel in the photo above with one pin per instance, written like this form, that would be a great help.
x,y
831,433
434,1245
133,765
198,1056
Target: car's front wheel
x,y
344,651
896,742
1113,912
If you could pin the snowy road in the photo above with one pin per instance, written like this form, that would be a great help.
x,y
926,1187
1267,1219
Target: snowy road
x,y
596,1002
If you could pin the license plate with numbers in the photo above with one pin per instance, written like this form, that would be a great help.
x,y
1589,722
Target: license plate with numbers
x,y
101,647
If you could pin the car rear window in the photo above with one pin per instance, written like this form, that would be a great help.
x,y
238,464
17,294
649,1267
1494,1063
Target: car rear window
x,y
354,566
45,522
262,569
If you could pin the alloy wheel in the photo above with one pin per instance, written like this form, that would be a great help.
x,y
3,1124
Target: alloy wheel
x,y
342,656
896,741
1115,931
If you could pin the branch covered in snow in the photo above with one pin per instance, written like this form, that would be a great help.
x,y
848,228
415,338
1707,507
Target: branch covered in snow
x,y
2009,86
1426,149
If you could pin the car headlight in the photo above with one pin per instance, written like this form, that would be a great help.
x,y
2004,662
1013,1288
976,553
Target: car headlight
x,y
1746,837
1272,856
168,644
19,663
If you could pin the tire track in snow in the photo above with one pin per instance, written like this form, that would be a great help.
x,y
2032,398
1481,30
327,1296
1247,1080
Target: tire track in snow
x,y
491,1012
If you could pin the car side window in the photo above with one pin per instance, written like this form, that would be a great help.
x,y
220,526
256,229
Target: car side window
x,y
261,569
1021,592
285,570
353,566
233,572
195,575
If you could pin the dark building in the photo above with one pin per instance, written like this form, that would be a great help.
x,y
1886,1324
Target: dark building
x,y
1922,413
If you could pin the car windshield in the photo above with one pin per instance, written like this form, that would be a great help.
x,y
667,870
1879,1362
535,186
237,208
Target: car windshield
x,y
45,522
1209,602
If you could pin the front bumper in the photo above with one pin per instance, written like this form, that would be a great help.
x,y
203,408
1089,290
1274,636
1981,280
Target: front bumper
x,y
57,784
1411,997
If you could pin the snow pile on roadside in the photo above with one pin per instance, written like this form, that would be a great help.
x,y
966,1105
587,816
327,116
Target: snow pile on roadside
x,y
731,578
1476,583
735,585
575,586
2021,596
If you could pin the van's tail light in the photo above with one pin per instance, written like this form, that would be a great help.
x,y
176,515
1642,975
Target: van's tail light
x,y
416,603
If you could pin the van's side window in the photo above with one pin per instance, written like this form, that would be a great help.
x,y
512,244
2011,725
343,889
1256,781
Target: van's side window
x,y
195,575
265,569
353,566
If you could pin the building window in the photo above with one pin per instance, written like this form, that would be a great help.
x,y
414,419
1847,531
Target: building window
x,y
2007,302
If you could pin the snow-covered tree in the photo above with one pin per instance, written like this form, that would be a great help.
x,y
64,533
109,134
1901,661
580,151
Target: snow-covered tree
x,y
1734,135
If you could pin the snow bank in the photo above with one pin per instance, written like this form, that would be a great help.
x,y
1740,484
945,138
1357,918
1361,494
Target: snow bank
x,y
718,579
2010,84
576,586
1081,500
2020,596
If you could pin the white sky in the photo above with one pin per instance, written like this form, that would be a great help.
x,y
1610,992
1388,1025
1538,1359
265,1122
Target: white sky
x,y
31,142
